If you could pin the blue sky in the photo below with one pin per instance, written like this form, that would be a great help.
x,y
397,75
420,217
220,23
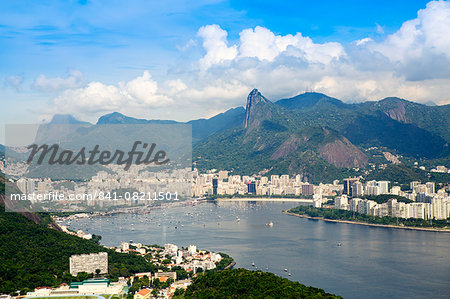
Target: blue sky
x,y
190,59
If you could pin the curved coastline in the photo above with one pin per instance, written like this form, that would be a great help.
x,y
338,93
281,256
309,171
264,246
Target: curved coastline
x,y
369,224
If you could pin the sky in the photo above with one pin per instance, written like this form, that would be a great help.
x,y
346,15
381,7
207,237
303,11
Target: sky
x,y
193,59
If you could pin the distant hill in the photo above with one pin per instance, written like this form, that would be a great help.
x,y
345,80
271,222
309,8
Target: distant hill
x,y
202,128
119,118
66,119
308,100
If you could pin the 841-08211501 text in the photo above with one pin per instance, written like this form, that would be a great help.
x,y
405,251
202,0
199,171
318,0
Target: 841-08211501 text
x,y
138,195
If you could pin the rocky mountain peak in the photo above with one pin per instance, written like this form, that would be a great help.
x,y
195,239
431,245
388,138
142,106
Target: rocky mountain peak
x,y
253,101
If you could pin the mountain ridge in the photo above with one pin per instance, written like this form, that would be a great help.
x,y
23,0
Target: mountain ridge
x,y
315,129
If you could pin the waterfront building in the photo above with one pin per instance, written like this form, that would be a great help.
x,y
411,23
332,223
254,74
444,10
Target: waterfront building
x,y
251,187
307,189
214,186
341,202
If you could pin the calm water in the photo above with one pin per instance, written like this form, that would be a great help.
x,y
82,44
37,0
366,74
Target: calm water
x,y
371,263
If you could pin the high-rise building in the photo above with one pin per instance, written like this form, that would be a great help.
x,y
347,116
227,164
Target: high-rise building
x,y
357,189
251,187
348,183
215,184
341,202
307,189
430,187
384,187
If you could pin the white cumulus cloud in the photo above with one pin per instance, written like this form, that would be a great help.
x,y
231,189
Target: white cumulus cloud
x,y
139,93
265,45
216,45
429,33
74,79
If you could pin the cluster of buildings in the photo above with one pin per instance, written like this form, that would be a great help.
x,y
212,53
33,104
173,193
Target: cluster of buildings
x,y
190,259
427,203
353,187
220,183
102,189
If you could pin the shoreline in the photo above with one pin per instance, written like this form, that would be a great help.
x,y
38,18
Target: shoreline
x,y
369,224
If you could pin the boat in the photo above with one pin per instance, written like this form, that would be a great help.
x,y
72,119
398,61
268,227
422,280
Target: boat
x,y
339,244
285,270
253,264
270,224
289,274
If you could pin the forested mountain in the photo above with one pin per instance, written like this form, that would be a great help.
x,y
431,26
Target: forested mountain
x,y
319,137
272,139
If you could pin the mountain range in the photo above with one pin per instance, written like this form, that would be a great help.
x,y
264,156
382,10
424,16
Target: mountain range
x,y
310,134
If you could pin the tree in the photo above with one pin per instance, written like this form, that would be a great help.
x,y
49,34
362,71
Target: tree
x,y
178,292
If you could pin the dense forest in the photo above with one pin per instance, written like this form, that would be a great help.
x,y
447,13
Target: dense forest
x,y
241,283
336,214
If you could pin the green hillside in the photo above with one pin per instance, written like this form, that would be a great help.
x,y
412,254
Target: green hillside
x,y
241,283
244,154
408,128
